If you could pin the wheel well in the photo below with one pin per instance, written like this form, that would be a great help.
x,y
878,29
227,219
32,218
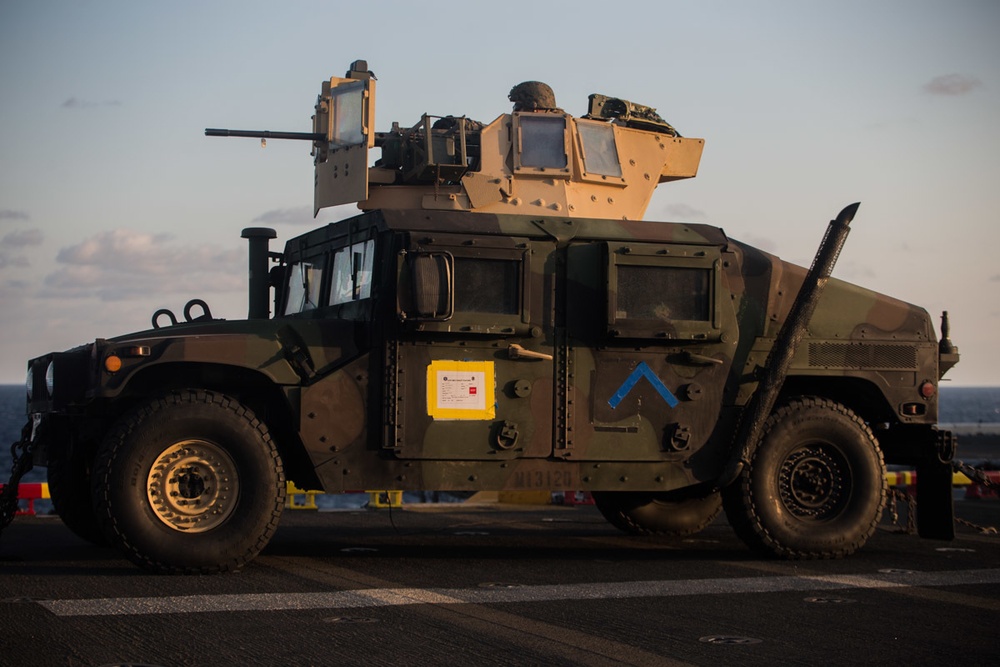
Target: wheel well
x,y
861,396
251,388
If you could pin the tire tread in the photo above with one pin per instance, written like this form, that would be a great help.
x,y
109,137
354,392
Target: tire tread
x,y
743,514
118,437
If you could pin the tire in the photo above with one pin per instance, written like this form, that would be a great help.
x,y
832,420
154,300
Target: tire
x,y
71,491
189,483
675,513
815,486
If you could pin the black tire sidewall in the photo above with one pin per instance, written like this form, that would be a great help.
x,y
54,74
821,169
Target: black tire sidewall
x,y
672,514
832,426
134,447
71,491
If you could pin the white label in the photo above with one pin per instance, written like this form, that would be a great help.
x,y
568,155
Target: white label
x,y
461,390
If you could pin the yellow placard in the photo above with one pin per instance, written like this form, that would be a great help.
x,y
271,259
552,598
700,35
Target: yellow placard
x,y
461,390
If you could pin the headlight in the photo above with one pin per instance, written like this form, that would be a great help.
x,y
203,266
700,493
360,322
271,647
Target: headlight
x,y
50,377
29,382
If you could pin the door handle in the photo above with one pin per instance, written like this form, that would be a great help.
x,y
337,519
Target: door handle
x,y
693,358
515,351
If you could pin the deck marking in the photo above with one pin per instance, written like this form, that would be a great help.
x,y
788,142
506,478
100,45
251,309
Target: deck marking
x,y
386,597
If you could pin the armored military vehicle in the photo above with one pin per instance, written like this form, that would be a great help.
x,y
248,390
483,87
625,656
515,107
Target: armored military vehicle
x,y
500,317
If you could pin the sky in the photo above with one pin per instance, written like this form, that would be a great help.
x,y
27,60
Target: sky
x,y
114,204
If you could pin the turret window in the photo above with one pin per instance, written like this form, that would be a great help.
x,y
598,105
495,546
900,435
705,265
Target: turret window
x,y
600,154
541,142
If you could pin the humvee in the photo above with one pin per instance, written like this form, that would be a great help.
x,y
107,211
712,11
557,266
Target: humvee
x,y
500,317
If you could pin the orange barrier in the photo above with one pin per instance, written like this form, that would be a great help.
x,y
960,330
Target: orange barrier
x,y
977,491
973,490
31,493
574,498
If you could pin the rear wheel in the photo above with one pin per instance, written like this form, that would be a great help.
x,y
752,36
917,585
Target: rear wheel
x,y
674,513
815,486
190,482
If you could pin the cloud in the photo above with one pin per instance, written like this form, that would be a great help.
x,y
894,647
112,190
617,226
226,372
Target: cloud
x,y
121,247
13,291
18,239
9,214
303,215
21,239
952,84
855,271
76,103
124,264
765,243
13,261
684,212
299,215
995,278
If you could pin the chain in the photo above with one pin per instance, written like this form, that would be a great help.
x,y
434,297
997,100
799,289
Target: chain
x,y
975,474
985,530
21,452
895,494
978,477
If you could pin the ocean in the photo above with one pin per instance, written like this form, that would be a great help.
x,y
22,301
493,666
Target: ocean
x,y
966,410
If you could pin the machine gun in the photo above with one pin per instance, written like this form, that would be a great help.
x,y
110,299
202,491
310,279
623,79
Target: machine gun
x,y
264,135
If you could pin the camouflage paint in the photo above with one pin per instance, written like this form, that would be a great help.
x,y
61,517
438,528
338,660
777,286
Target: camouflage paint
x,y
344,387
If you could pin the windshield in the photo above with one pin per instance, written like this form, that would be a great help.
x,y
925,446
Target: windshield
x,y
330,277
352,273
304,282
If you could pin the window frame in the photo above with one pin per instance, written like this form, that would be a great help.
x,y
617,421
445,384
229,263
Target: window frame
x,y
367,261
305,263
320,247
595,177
474,322
700,258
522,169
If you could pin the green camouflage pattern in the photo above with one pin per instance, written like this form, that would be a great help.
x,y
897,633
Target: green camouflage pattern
x,y
344,388
500,317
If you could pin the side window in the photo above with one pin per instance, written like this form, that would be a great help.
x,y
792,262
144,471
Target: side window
x,y
664,293
541,142
458,288
352,273
304,282
600,154
487,285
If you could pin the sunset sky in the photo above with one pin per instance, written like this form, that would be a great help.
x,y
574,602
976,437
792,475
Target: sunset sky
x,y
113,204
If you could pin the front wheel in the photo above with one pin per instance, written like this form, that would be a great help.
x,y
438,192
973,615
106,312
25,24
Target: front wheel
x,y
70,489
189,483
815,486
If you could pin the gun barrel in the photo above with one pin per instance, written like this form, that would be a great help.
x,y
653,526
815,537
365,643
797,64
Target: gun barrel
x,y
265,134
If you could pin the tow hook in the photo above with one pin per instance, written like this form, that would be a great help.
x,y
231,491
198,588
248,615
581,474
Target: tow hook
x,y
946,446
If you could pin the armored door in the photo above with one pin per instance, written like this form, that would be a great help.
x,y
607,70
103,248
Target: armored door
x,y
471,373
651,335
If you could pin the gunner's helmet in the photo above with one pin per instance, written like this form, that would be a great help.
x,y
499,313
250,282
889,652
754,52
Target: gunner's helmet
x,y
532,96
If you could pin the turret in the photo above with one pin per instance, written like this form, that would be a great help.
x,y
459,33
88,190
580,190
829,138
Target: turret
x,y
535,160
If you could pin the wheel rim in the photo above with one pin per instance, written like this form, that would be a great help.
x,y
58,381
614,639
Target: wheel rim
x,y
814,482
193,486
